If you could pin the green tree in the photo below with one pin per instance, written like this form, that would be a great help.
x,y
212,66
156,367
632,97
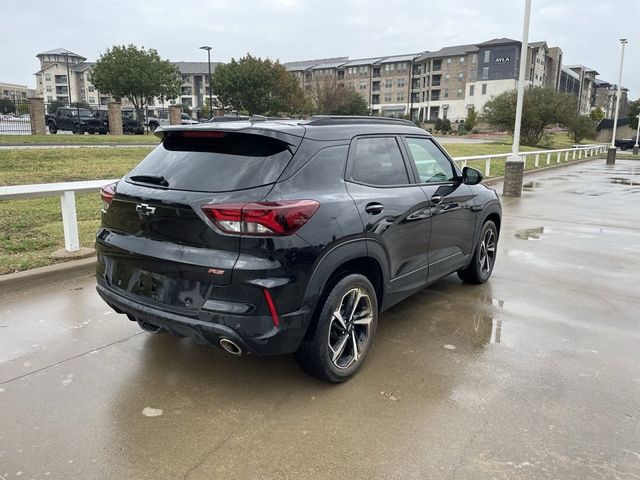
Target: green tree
x,y
257,86
6,105
634,110
581,127
472,119
597,114
136,74
332,98
542,107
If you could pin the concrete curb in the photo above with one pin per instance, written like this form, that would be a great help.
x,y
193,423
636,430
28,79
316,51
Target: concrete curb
x,y
46,275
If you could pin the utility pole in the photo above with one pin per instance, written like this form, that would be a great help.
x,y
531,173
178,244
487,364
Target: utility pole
x,y
611,154
208,49
514,165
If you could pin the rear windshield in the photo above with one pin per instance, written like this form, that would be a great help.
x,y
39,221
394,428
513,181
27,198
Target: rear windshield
x,y
213,161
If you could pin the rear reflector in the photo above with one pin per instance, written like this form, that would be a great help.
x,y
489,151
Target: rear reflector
x,y
262,218
107,193
272,308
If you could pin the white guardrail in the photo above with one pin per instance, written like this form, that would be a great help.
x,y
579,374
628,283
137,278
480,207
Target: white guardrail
x,y
67,190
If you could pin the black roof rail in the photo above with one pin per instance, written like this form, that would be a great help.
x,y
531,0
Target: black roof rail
x,y
354,119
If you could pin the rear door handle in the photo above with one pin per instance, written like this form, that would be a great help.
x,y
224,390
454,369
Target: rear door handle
x,y
374,208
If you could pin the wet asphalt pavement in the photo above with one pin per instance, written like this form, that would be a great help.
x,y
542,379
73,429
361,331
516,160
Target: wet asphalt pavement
x,y
535,374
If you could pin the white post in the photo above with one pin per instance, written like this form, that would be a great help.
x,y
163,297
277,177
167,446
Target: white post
x,y
70,222
548,158
574,155
635,147
514,164
611,157
558,157
537,161
566,156
487,167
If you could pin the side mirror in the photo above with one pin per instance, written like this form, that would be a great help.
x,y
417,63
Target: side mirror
x,y
471,176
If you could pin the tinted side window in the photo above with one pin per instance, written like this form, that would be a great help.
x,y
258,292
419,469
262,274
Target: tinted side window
x,y
433,166
378,161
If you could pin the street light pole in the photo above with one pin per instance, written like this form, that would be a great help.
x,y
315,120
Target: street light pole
x,y
514,164
208,49
635,147
611,154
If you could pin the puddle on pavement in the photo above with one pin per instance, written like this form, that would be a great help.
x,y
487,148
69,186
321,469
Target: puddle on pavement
x,y
532,233
624,181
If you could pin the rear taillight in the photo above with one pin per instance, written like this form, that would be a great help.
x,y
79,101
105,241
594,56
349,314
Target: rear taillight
x,y
107,193
262,218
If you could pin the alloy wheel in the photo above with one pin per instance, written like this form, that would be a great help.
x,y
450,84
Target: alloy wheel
x,y
487,252
349,331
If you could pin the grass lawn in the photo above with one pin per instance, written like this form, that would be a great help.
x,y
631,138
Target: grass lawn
x,y
30,230
78,139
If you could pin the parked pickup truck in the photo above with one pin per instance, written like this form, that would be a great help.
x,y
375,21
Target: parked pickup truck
x,y
162,120
625,143
129,123
76,120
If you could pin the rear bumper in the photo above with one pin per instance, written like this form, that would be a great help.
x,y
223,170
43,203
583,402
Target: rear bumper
x,y
254,334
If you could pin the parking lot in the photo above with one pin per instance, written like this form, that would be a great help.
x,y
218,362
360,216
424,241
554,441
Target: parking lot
x,y
535,374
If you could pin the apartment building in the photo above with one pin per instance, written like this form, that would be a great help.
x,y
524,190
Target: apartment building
x,y
15,92
604,95
64,76
442,84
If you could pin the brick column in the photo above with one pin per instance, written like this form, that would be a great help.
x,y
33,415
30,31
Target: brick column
x,y
115,118
175,112
513,176
36,115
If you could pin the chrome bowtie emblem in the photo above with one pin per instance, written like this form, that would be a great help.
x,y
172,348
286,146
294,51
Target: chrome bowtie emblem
x,y
144,209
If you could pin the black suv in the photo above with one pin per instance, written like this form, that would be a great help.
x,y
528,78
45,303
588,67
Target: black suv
x,y
290,236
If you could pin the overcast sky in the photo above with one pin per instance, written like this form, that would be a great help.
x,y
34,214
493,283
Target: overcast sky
x,y
586,30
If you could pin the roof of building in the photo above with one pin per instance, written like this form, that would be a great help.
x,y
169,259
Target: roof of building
x,y
399,58
570,72
321,66
582,67
60,51
537,44
306,64
498,41
81,67
362,61
191,68
448,52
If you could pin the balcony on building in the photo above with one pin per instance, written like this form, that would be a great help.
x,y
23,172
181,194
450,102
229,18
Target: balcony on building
x,y
415,97
61,79
436,65
186,91
435,80
375,86
435,95
376,72
375,99
415,85
62,90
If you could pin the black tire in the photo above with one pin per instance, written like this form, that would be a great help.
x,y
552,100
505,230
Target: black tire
x,y
52,128
484,256
352,342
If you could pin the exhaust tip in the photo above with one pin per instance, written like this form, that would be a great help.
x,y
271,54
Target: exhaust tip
x,y
230,346
149,327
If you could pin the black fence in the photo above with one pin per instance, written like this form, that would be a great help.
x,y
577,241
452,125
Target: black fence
x,y
14,116
81,117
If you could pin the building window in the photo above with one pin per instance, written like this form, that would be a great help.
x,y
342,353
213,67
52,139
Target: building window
x,y
446,92
49,98
387,97
459,93
474,58
363,85
388,83
461,59
401,82
471,89
352,85
487,56
49,89
448,60
460,77
484,89
92,99
400,98
47,77
485,73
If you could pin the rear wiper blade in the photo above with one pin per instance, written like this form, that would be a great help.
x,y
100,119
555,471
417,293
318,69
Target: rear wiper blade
x,y
152,179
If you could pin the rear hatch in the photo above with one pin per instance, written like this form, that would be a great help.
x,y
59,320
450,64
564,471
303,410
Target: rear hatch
x,y
156,241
